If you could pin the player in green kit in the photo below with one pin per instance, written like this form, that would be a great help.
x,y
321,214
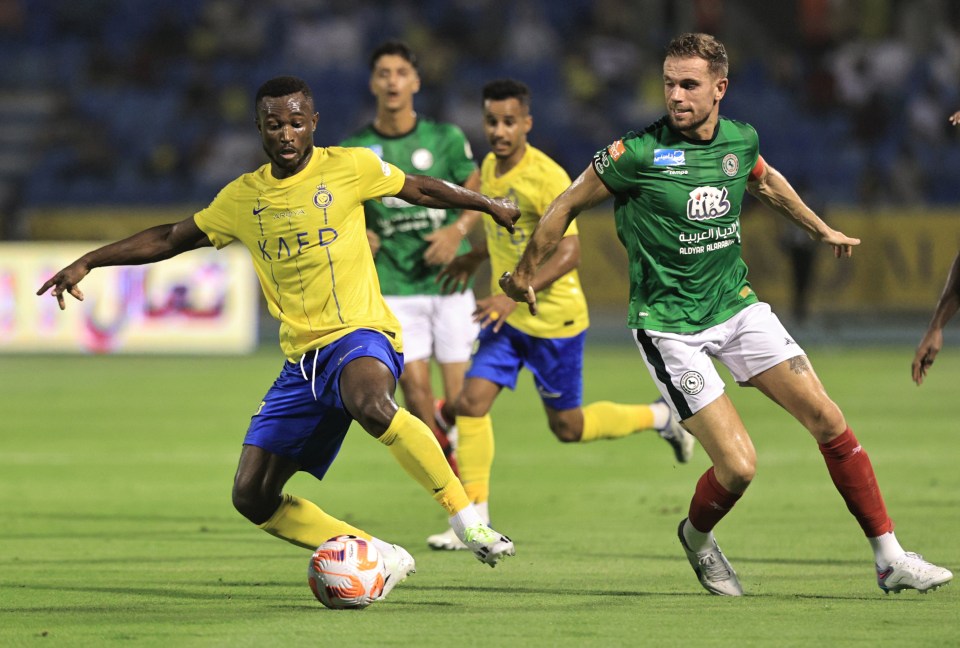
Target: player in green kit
x,y
412,243
301,219
551,346
678,187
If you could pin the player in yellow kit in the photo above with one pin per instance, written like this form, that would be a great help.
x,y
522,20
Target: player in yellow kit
x,y
550,344
301,218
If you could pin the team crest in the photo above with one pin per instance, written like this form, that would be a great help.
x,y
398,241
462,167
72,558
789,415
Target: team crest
x,y
730,164
691,382
422,159
323,198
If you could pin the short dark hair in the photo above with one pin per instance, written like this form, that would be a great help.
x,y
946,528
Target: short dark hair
x,y
501,89
702,46
394,48
283,86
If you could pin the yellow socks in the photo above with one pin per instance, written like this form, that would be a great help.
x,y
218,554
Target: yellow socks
x,y
475,451
413,445
304,524
606,420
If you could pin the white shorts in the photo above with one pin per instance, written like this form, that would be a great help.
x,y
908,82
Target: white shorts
x,y
440,326
681,364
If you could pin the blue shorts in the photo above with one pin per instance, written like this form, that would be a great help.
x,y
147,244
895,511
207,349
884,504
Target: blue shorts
x,y
556,363
302,417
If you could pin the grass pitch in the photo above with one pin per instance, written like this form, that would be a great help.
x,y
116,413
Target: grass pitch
x,y
115,478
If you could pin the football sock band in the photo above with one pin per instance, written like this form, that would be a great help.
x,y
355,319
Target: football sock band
x,y
413,445
886,550
606,420
303,523
853,475
711,501
475,450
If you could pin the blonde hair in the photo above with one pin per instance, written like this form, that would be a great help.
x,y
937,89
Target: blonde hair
x,y
702,46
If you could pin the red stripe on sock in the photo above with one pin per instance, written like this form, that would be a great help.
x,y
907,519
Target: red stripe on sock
x,y
710,502
853,475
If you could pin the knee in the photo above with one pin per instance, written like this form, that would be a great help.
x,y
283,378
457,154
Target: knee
x,y
825,422
414,390
253,503
374,412
737,475
467,405
566,431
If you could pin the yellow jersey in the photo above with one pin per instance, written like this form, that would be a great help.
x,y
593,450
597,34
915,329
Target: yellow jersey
x,y
532,185
307,237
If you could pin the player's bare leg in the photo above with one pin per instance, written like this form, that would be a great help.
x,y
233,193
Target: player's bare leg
x,y
724,438
445,411
795,386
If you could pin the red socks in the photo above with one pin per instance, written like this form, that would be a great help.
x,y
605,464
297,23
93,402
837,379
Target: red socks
x,y
710,502
853,476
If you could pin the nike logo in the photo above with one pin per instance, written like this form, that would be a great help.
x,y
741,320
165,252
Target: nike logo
x,y
343,357
257,211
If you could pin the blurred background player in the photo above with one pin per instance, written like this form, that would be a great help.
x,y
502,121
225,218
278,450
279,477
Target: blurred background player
x,y
412,243
551,346
301,218
678,186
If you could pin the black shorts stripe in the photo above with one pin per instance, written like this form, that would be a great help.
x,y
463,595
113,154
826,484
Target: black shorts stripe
x,y
660,368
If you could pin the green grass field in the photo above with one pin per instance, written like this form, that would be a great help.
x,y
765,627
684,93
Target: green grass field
x,y
115,478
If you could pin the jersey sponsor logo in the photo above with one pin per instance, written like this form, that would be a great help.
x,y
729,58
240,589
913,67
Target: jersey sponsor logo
x,y
730,164
691,382
706,203
669,157
295,243
323,198
258,208
385,168
421,159
616,150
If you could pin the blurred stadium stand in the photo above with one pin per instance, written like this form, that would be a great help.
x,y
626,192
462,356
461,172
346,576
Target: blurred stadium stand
x,y
149,103
138,101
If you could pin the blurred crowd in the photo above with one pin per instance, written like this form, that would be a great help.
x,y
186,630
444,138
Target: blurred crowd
x,y
149,102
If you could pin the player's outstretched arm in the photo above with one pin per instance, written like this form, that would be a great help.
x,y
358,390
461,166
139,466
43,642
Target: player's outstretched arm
x,y
433,192
773,190
586,191
153,244
932,341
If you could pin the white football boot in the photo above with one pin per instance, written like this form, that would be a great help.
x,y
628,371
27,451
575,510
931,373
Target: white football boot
x,y
398,564
487,545
912,572
711,567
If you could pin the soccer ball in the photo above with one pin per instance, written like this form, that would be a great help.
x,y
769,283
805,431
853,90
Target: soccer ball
x,y
346,572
